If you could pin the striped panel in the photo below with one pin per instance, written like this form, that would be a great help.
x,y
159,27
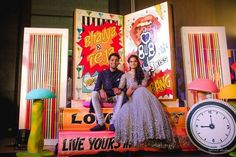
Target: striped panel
x,y
88,20
44,72
205,57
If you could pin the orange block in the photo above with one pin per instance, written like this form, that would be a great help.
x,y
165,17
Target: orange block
x,y
80,118
177,115
182,139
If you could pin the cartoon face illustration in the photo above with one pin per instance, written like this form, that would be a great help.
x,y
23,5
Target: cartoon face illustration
x,y
146,50
143,33
147,23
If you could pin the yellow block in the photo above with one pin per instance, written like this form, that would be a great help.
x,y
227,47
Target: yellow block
x,y
228,92
81,119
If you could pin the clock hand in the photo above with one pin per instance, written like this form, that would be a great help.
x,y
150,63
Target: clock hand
x,y
211,119
205,126
211,126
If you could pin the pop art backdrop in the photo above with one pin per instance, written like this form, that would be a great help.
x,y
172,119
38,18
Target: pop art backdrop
x,y
148,34
97,35
44,65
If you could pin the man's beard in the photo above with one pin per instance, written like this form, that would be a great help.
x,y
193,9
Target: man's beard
x,y
113,68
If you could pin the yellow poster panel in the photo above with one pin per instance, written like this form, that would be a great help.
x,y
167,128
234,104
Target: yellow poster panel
x,y
96,36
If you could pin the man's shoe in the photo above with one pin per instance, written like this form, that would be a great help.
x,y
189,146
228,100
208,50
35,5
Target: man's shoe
x,y
112,127
98,128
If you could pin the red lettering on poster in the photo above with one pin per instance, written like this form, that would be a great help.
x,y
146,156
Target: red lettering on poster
x,y
162,84
97,43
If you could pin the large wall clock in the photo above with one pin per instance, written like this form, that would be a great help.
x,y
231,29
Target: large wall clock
x,y
211,126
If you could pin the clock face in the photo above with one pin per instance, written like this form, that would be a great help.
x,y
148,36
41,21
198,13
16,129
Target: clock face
x,y
211,126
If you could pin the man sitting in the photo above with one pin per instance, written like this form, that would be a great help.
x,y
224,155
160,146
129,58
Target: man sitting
x,y
106,89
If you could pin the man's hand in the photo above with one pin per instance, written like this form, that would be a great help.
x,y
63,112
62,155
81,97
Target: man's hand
x,y
117,91
129,91
103,94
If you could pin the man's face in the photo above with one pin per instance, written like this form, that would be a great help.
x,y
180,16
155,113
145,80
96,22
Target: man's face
x,y
113,62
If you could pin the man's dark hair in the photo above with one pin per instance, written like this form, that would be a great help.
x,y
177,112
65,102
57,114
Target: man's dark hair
x,y
114,54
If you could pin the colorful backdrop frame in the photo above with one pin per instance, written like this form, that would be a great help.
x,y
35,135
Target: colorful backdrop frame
x,y
44,65
205,56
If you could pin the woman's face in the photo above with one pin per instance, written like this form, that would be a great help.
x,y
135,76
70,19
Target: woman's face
x,y
133,63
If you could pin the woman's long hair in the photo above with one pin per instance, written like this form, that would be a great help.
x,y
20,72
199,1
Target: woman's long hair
x,y
139,75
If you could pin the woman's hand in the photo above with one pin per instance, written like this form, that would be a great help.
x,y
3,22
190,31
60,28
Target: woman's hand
x,y
129,91
116,91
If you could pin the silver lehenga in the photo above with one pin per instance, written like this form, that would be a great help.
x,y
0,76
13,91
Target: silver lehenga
x,y
142,120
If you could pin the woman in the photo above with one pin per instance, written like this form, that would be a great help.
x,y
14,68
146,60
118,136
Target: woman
x,y
141,120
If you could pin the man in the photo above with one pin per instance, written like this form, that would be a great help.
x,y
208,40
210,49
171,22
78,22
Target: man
x,y
106,88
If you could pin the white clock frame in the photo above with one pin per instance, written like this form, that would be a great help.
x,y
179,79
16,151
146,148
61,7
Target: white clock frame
x,y
220,138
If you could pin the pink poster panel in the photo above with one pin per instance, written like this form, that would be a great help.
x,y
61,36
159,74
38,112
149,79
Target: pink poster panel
x,y
148,34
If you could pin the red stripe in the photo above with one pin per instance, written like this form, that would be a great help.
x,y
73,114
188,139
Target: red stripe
x,y
27,114
53,118
205,54
44,117
54,85
212,52
196,54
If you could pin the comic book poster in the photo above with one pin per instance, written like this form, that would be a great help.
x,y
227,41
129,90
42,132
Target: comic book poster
x,y
148,34
96,36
